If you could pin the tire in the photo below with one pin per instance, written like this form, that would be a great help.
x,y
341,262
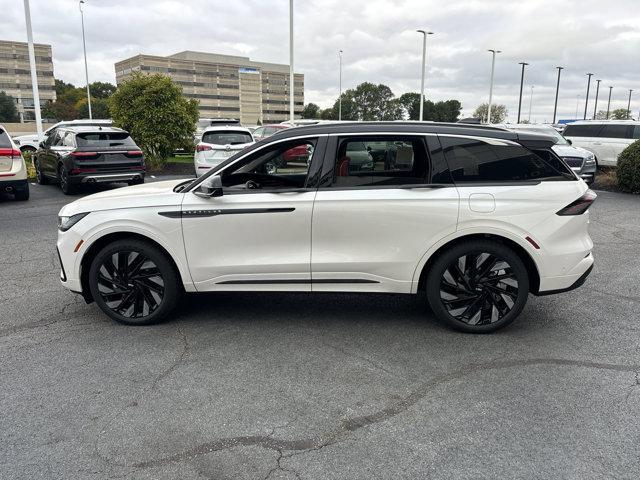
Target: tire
x,y
136,182
41,178
142,287
466,298
63,178
23,194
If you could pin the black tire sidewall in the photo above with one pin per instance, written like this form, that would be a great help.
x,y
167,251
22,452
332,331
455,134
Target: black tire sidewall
x,y
170,276
441,264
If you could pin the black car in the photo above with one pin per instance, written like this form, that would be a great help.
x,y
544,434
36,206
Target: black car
x,y
89,154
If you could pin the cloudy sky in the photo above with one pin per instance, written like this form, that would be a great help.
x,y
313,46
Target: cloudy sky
x,y
379,42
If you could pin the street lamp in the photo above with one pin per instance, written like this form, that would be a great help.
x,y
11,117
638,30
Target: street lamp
x,y
530,103
424,61
586,101
291,112
86,70
493,65
609,102
595,107
32,66
555,105
577,105
629,105
524,64
340,87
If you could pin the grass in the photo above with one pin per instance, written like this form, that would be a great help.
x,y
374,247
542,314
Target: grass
x,y
606,179
186,158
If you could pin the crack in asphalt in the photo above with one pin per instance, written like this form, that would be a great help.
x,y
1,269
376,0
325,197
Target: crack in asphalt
x,y
354,424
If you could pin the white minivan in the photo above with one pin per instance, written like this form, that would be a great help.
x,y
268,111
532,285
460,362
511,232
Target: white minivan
x,y
605,138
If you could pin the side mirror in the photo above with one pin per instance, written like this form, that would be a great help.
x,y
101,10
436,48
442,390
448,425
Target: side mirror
x,y
211,187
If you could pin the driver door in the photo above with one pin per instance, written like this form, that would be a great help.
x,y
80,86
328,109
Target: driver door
x,y
257,235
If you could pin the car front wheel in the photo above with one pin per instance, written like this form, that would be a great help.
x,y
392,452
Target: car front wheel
x,y
478,286
134,282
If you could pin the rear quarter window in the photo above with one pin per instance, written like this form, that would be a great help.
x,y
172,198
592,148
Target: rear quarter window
x,y
472,160
616,131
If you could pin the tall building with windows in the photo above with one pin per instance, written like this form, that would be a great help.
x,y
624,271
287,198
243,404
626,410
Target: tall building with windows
x,y
15,75
226,86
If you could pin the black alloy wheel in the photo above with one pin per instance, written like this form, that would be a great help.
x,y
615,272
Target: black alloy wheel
x,y
63,178
133,282
40,177
479,287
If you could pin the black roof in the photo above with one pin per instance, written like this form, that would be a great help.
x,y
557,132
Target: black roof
x,y
533,139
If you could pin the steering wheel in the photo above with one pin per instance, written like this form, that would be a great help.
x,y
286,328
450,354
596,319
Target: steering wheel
x,y
251,185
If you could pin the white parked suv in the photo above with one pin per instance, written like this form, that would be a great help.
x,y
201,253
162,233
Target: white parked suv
x,y
218,144
476,217
30,143
605,138
13,171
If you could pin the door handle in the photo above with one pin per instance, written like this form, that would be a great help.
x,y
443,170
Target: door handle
x,y
597,143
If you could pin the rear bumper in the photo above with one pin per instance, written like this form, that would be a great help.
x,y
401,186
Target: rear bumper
x,y
11,186
108,177
565,283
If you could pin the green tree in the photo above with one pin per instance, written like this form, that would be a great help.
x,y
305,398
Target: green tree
x,y
101,90
311,110
61,87
156,113
410,101
369,102
498,112
99,108
617,114
447,111
8,110
329,114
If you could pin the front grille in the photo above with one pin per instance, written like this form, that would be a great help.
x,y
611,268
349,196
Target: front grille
x,y
573,162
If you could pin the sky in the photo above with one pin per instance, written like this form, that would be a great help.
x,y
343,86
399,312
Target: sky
x,y
379,41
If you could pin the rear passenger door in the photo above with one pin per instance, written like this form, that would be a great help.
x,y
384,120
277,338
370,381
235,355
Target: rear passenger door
x,y
383,200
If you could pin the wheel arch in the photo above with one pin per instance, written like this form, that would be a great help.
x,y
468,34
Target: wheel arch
x,y
529,263
105,240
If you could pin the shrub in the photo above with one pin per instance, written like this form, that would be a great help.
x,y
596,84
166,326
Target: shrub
x,y
31,170
629,168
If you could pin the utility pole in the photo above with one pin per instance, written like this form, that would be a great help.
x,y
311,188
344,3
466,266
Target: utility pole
x,y
555,105
586,101
291,90
493,65
340,87
609,102
424,65
524,64
595,107
629,105
86,69
32,66
530,103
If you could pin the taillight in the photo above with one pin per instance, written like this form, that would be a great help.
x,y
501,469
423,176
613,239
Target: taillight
x,y
134,153
579,206
9,152
84,154
202,148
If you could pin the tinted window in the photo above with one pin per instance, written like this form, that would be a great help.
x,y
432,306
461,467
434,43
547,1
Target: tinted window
x,y
68,140
472,160
5,141
582,130
227,137
616,131
57,138
104,139
636,131
370,161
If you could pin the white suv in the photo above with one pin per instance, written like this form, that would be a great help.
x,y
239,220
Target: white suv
x,y
13,171
219,143
605,138
476,217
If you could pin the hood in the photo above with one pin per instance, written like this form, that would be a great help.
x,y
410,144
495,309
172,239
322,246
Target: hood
x,y
26,138
571,151
155,194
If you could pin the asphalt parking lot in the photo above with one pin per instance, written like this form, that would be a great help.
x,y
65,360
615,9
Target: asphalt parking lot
x,y
316,386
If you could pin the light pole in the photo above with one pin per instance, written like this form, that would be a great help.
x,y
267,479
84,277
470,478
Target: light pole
x,y
586,100
555,105
32,66
577,105
493,66
609,102
424,61
629,105
530,103
595,107
340,87
524,64
291,112
86,70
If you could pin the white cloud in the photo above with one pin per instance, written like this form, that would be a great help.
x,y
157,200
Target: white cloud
x,y
378,38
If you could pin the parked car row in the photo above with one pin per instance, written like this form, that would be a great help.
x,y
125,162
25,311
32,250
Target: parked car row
x,y
605,138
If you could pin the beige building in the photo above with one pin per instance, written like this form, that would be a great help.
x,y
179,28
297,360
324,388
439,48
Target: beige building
x,y
15,76
226,86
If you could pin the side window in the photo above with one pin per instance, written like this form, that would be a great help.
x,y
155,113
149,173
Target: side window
x,y
57,138
51,136
636,132
582,130
258,132
69,140
283,165
269,131
380,161
616,131
473,160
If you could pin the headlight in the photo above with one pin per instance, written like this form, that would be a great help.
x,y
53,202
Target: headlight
x,y
65,223
591,159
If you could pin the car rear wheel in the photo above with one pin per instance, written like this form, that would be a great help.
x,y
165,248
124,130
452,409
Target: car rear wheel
x,y
40,176
63,178
134,282
478,286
